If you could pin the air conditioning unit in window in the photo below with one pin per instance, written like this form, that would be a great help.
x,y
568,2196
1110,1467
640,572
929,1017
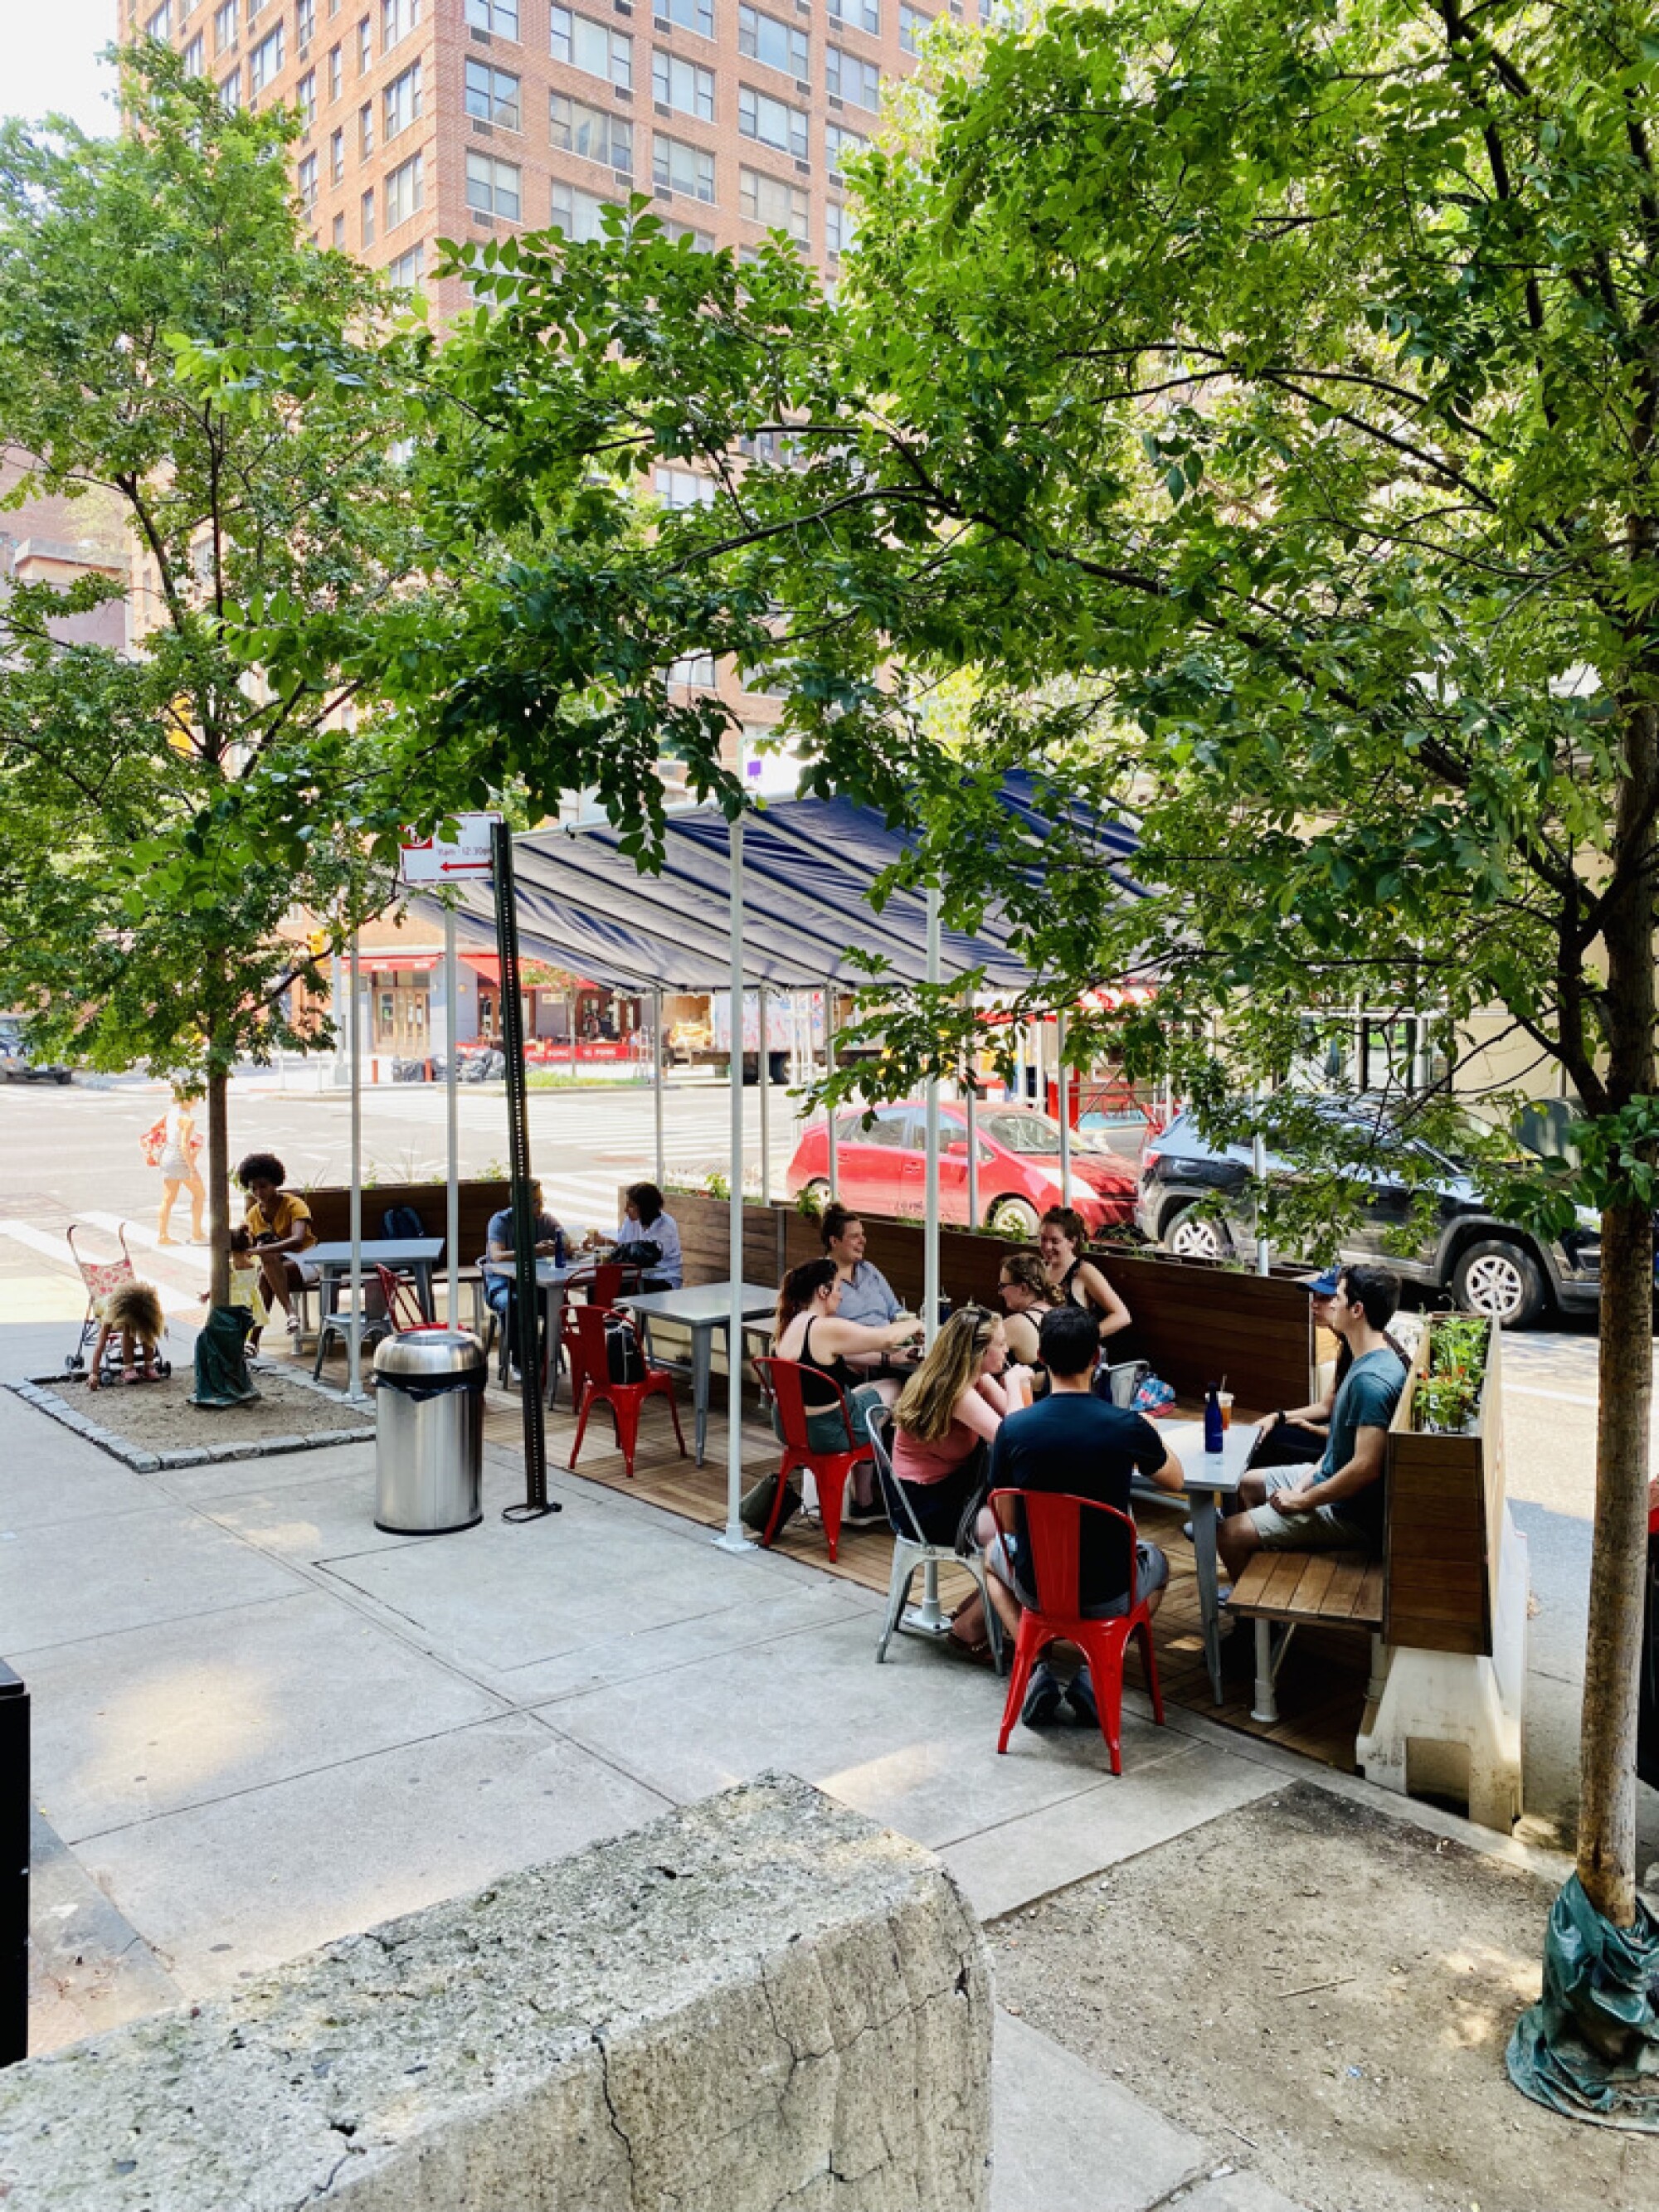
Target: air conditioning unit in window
x,y
804,86
623,7
482,129
484,222
834,102
661,23
617,93
480,37
623,176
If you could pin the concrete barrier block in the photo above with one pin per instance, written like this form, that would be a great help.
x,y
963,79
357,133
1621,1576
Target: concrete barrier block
x,y
760,2001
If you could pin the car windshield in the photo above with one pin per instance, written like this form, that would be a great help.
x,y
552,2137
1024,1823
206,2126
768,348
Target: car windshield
x,y
1035,1133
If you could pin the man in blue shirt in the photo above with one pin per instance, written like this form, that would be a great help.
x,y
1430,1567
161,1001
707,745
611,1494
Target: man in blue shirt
x,y
1343,1505
497,1264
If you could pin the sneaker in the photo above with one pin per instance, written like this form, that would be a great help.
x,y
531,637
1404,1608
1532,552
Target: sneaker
x,y
1187,1530
296,1330
872,1515
1080,1697
1043,1700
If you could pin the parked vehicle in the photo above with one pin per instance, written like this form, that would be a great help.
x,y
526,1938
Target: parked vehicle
x,y
883,1169
18,1064
1485,1264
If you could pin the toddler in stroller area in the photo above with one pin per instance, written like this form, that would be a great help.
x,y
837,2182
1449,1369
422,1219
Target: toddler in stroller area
x,y
135,1309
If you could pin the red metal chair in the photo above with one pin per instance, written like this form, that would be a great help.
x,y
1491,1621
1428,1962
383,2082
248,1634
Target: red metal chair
x,y
583,1331
780,1379
604,1282
1048,1571
403,1302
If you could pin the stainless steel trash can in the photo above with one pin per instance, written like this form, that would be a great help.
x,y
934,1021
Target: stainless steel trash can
x,y
428,1432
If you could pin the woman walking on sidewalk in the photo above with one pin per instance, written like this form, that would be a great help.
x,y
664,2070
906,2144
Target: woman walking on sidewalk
x,y
179,1145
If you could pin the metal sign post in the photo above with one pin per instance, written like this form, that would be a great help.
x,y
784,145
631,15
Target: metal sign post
x,y
354,1341
451,1116
735,1537
525,1294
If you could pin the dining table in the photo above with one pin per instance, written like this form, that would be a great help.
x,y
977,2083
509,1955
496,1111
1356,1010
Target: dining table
x,y
703,1308
1209,1479
405,1255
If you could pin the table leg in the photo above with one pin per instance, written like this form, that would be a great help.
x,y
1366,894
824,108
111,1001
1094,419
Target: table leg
x,y
552,1307
423,1290
1203,1504
702,1361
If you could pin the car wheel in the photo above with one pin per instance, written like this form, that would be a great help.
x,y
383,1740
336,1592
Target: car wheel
x,y
1196,1235
1500,1281
63,1078
1011,1216
817,1190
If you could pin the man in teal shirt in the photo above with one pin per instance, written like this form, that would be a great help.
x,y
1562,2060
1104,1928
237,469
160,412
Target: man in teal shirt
x,y
1342,1506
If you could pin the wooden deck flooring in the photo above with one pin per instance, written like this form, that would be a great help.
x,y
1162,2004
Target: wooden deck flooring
x,y
1321,1685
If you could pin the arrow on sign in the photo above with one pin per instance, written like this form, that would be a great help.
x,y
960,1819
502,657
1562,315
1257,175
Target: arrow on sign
x,y
463,868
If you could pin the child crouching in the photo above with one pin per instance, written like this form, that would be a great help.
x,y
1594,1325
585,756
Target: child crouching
x,y
135,1309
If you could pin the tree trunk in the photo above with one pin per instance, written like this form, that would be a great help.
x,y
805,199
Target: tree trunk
x,y
218,1184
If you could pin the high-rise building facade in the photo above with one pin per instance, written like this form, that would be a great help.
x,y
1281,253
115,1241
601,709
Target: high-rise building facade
x,y
473,119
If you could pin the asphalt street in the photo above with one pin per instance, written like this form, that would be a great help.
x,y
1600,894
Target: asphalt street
x,y
73,1156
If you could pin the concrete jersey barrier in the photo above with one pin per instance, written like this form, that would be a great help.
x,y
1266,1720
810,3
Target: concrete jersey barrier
x,y
758,2002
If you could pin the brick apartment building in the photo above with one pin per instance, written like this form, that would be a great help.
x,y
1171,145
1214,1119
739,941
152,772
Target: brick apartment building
x,y
468,119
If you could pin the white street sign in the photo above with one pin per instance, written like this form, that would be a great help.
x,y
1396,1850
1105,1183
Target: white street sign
x,y
440,860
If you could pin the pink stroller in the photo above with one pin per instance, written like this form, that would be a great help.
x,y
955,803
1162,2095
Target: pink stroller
x,y
100,1278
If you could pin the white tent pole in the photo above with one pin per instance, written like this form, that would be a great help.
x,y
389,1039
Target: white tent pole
x,y
1063,1084
930,1232
828,1070
656,1072
355,1337
452,1115
1039,1089
1264,1258
970,1106
762,1069
735,1539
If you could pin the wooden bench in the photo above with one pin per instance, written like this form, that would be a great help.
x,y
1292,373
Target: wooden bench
x,y
1330,1590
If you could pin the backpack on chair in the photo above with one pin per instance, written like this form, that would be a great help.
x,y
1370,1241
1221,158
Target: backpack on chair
x,y
624,1360
402,1222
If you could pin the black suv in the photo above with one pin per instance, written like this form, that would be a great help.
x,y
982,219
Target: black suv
x,y
1486,1266
17,1065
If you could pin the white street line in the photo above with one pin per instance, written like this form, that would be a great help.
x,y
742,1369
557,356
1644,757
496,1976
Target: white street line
x,y
1556,1397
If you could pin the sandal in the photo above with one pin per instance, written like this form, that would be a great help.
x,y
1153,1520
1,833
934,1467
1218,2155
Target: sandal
x,y
977,1654
129,1374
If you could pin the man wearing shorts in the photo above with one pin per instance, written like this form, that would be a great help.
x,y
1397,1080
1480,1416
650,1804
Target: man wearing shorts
x,y
1339,1506
1080,1444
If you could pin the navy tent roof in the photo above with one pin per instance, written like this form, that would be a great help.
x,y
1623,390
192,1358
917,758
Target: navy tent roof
x,y
809,864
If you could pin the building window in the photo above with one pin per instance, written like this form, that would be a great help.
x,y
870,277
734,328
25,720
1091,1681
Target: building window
x,y
306,177
858,14
305,21
336,72
500,18
701,242
914,23
365,48
592,132
160,25
677,168
492,187
695,669
337,157
766,39
682,84
769,200
683,488
577,213
492,95
398,19
406,191
697,15
837,142
849,78
264,62
840,228
305,98
365,130
402,102
368,218
772,122
405,271
593,46
230,91
195,56
224,28
339,233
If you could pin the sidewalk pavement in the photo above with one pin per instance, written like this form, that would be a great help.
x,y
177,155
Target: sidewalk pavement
x,y
261,1724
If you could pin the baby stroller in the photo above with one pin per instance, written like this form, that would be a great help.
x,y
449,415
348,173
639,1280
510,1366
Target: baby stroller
x,y
100,1278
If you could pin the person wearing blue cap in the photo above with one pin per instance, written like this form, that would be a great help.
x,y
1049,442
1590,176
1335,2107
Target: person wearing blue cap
x,y
1298,1435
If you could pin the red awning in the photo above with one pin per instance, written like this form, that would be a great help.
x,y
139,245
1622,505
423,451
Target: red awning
x,y
380,963
488,965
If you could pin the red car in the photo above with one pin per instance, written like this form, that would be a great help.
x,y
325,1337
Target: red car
x,y
883,1169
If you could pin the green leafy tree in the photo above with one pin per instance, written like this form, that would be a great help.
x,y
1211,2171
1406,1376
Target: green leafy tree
x,y
171,344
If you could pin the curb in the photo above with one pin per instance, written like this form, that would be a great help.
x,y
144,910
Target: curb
x,y
142,1461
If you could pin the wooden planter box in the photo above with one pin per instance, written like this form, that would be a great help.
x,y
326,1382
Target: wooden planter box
x,y
1445,1521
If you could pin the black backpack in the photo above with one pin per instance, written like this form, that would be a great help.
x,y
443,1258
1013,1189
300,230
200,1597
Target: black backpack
x,y
624,1360
402,1221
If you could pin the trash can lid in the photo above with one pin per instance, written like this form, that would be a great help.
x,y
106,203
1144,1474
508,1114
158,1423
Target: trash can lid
x,y
429,1352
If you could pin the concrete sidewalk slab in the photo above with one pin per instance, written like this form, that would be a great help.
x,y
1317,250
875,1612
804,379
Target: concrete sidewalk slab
x,y
235,1478
1005,1867
1068,2140
255,1878
181,1713
1238,2191
70,1480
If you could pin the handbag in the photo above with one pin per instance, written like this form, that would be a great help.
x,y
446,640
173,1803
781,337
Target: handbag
x,y
641,1252
153,1142
623,1359
755,1509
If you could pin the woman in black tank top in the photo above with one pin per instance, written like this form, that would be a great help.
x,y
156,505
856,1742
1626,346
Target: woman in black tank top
x,y
809,1331
1062,1239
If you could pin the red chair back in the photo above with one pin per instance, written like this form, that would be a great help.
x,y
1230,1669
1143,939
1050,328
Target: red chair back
x,y
1054,1535
583,1332
604,1282
783,1379
402,1307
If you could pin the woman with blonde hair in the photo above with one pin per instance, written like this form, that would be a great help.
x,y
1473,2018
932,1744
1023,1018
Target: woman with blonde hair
x,y
950,1410
180,1146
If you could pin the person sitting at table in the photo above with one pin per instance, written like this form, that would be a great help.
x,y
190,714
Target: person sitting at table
x,y
866,1295
1082,1446
1342,1504
278,1222
1062,1239
1027,1296
645,1220
807,1328
1297,1437
497,1266
948,1413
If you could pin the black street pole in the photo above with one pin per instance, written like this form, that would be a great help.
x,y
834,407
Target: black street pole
x,y
525,1293
14,1868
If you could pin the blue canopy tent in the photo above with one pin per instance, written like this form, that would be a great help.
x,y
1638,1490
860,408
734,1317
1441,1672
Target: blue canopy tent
x,y
778,900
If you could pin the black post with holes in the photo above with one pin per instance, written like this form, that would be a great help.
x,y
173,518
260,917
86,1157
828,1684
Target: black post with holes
x,y
14,1867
